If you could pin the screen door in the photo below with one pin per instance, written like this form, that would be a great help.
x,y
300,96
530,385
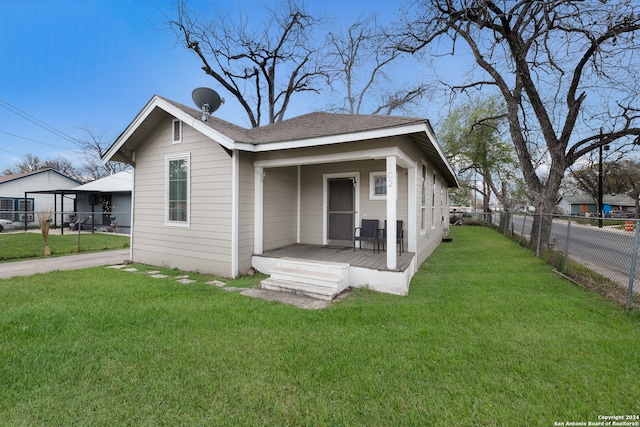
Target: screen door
x,y
341,210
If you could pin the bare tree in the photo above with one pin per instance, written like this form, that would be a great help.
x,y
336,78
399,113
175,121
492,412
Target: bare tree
x,y
261,67
565,69
94,145
362,55
32,163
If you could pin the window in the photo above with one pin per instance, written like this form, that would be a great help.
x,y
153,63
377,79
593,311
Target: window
x,y
25,209
433,201
423,202
177,190
177,131
377,186
16,209
442,196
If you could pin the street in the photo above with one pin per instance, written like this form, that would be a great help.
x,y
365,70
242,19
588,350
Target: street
x,y
606,250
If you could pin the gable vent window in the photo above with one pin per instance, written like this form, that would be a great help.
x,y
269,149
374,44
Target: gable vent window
x,y
177,131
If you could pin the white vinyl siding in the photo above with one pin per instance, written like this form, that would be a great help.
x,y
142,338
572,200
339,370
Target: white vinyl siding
x,y
280,207
245,212
205,245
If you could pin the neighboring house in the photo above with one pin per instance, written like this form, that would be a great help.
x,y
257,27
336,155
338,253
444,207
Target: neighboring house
x,y
15,206
582,204
107,201
213,197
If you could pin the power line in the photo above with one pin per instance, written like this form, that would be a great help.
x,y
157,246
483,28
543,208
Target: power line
x,y
12,152
39,122
33,140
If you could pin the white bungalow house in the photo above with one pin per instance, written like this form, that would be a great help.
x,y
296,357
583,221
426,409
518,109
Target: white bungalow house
x,y
19,200
213,197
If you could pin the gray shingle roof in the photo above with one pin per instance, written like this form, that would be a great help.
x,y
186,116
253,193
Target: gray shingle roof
x,y
312,125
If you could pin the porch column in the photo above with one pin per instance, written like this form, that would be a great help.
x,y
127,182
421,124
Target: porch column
x,y
258,209
392,191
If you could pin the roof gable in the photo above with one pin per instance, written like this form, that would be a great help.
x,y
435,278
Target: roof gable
x,y
13,177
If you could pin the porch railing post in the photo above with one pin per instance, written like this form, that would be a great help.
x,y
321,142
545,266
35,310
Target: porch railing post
x,y
392,189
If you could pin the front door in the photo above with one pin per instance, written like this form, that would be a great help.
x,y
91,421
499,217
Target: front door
x,y
341,211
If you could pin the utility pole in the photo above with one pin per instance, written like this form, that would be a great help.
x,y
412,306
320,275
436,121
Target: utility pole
x,y
600,184
600,210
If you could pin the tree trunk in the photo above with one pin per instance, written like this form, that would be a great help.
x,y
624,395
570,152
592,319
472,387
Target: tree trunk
x,y
544,213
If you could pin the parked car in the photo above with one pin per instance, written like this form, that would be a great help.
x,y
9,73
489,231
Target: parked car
x,y
5,224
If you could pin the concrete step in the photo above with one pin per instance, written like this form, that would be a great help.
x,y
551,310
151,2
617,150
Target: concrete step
x,y
330,280
318,279
319,292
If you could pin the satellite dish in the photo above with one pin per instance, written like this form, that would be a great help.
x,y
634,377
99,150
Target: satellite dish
x,y
207,100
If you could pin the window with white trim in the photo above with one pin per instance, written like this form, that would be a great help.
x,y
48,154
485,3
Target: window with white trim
x,y
177,190
176,134
442,197
377,185
433,201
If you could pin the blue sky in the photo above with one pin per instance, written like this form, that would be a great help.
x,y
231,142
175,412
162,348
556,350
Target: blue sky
x,y
95,63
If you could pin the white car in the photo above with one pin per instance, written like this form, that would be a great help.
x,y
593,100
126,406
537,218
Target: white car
x,y
5,224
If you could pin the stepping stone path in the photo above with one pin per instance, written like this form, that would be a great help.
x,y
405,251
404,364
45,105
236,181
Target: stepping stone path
x,y
295,300
183,279
216,283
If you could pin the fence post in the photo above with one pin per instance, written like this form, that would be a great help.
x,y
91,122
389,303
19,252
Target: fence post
x,y
634,261
539,235
524,223
566,247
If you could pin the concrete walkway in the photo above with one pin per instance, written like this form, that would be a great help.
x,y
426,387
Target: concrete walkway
x,y
66,262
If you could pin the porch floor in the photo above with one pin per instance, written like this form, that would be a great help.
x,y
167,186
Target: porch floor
x,y
364,258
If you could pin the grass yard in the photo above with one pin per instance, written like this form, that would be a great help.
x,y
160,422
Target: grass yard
x,y
14,246
487,336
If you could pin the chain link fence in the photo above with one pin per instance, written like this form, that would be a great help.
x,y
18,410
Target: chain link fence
x,y
598,253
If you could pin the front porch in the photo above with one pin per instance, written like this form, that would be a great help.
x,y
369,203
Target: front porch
x,y
365,268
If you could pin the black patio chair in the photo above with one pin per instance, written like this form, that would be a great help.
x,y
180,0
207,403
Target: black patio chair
x,y
399,236
78,224
368,233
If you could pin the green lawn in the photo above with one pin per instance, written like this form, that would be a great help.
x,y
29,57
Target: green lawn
x,y
487,336
15,246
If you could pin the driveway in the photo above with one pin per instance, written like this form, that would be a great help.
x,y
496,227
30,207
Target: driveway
x,y
66,262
